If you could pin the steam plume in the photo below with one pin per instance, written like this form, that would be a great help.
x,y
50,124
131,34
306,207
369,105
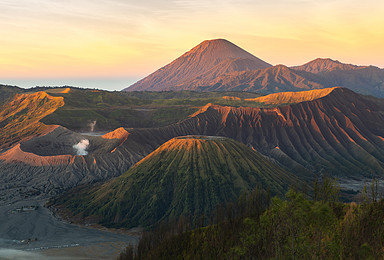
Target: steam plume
x,y
92,125
81,147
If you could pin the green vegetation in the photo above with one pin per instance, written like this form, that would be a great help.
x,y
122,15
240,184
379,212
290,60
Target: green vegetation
x,y
291,228
186,176
132,109
185,94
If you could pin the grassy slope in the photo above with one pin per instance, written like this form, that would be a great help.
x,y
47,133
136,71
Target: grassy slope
x,y
134,109
184,176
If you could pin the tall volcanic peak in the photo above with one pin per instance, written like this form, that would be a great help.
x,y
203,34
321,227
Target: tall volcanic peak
x,y
222,49
326,65
208,60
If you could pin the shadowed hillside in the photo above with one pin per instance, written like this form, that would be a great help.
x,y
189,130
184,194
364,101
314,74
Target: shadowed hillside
x,y
270,80
7,92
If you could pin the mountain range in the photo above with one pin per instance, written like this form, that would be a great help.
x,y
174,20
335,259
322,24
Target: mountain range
x,y
219,65
332,131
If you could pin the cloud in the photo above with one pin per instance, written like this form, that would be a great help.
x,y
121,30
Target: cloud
x,y
120,38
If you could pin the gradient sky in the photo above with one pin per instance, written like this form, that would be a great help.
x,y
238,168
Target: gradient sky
x,y
57,42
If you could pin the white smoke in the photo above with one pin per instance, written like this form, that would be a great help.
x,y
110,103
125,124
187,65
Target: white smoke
x,y
92,125
81,147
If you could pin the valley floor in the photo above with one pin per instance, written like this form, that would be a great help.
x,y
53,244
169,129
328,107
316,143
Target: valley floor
x,y
27,225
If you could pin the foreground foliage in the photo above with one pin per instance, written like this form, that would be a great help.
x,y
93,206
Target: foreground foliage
x,y
290,228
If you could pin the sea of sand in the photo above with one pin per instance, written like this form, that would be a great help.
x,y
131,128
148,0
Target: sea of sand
x,y
28,230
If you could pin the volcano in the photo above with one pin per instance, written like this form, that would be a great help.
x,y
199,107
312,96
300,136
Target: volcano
x,y
188,175
205,62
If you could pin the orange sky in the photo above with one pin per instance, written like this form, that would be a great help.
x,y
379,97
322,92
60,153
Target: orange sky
x,y
119,38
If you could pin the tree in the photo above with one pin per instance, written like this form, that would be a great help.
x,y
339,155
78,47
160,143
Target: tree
x,y
326,189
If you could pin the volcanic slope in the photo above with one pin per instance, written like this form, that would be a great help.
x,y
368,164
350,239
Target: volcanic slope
x,y
36,158
49,164
367,80
278,78
187,176
205,62
326,65
19,118
283,98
